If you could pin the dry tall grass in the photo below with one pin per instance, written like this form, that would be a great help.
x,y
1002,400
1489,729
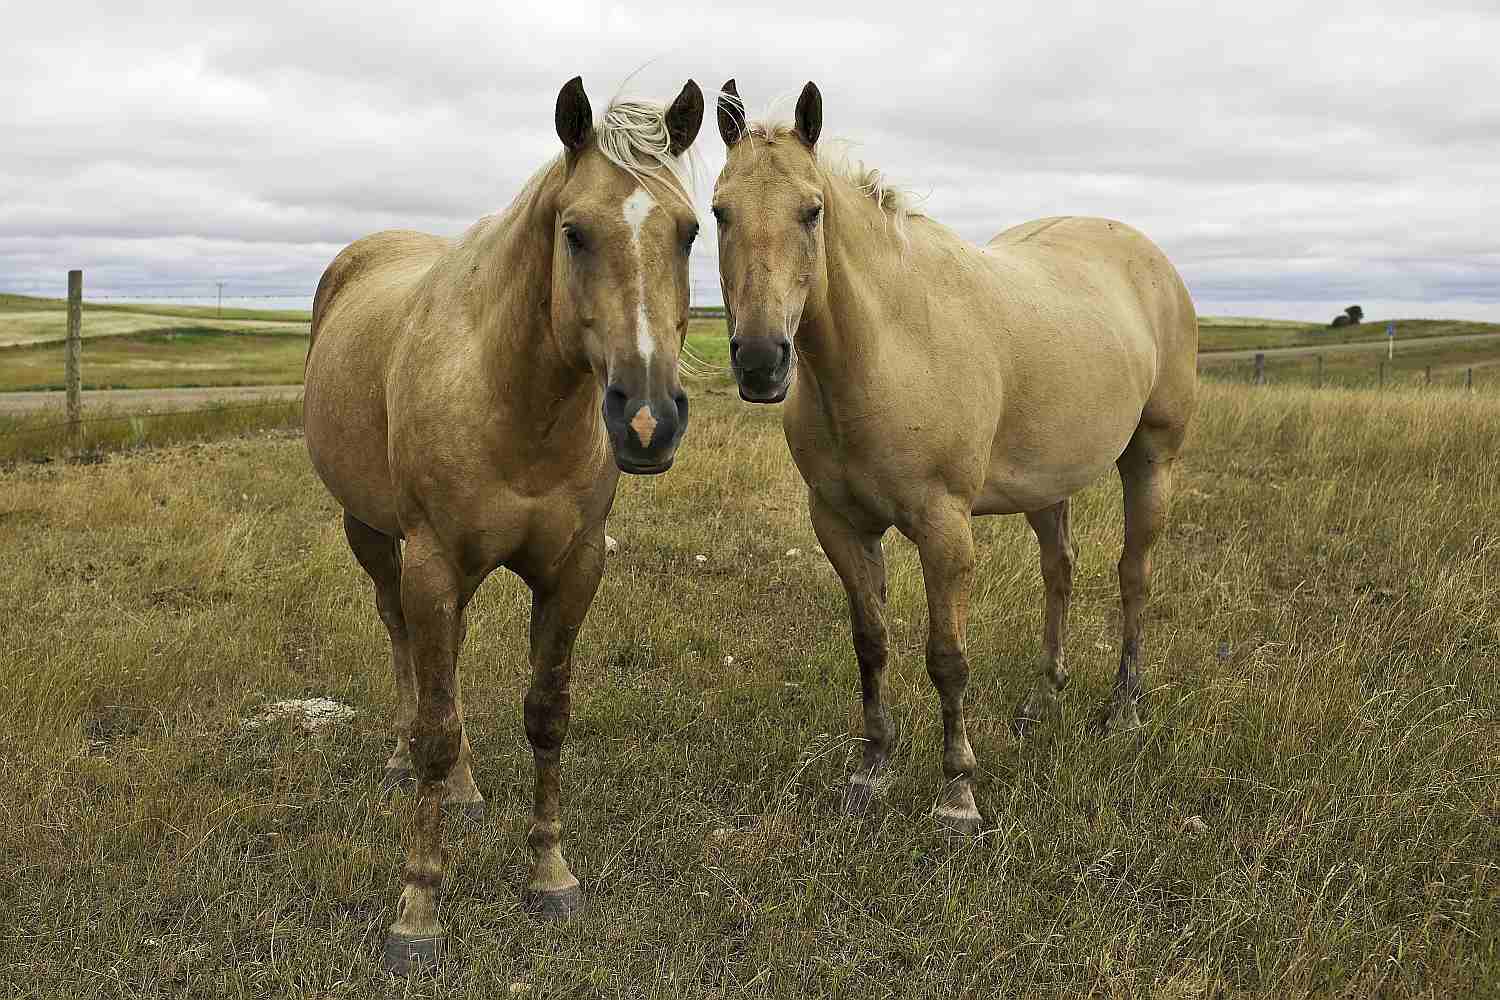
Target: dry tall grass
x,y
1326,704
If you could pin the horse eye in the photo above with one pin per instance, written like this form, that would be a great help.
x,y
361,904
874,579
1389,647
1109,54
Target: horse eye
x,y
574,238
810,217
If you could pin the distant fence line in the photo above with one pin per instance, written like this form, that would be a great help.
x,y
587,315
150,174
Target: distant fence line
x,y
1385,373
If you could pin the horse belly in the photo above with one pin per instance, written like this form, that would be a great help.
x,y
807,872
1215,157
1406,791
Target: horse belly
x,y
1037,465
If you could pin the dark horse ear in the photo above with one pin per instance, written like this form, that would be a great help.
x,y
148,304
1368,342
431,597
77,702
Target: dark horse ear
x,y
575,119
684,118
731,114
810,114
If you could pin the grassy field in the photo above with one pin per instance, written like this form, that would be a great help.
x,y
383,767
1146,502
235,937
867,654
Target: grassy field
x,y
1245,334
149,346
1323,652
1415,366
186,356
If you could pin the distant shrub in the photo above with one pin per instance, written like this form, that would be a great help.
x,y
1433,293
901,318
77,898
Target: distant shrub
x,y
1356,315
1342,319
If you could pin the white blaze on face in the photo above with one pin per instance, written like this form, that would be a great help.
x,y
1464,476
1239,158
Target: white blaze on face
x,y
636,208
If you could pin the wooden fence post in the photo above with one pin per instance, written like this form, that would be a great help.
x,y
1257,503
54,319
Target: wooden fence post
x,y
1260,368
1320,371
1469,379
1382,374
72,355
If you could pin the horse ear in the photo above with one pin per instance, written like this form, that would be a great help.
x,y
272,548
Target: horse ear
x,y
731,114
810,114
684,118
575,119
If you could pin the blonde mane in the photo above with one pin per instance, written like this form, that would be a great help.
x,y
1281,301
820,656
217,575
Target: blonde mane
x,y
632,134
896,203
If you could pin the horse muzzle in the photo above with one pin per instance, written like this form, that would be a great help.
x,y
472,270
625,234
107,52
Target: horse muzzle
x,y
762,367
644,433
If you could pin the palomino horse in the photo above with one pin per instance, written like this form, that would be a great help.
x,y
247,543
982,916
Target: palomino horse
x,y
478,399
931,380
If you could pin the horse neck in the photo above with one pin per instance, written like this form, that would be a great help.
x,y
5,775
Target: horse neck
x,y
510,296
868,268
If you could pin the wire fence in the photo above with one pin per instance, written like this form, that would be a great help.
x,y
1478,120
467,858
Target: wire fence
x,y
209,407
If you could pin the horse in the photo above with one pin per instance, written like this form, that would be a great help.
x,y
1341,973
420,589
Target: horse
x,y
471,404
927,380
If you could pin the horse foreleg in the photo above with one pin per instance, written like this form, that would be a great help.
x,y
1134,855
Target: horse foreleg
x,y
557,613
433,597
1055,538
860,562
946,544
1147,479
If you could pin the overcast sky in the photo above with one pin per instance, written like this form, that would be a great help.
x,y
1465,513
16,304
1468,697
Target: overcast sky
x,y
1290,162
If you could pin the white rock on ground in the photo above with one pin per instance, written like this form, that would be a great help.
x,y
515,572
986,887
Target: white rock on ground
x,y
611,546
311,714
793,553
700,559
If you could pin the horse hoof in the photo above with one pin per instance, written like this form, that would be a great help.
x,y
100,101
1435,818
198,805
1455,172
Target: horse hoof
x,y
860,796
1121,717
471,811
405,955
394,778
957,821
1036,714
555,904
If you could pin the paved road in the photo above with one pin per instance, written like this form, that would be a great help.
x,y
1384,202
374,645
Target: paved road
x,y
1221,357
155,399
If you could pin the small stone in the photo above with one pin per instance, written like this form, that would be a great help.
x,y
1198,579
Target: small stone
x,y
728,661
793,553
1194,826
1225,652
611,545
700,559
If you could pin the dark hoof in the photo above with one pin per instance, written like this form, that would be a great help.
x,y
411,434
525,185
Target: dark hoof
x,y
471,811
394,778
860,796
405,955
555,904
957,822
1121,715
1037,713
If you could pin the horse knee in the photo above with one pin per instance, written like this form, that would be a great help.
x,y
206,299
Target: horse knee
x,y
947,666
870,646
546,712
436,738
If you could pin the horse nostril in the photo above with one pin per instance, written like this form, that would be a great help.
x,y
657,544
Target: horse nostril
x,y
734,349
786,353
614,402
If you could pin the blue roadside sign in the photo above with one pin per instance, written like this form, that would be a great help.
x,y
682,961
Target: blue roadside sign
x,y
1390,330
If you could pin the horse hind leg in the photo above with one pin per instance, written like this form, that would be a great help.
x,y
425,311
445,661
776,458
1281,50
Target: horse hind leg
x,y
1055,538
380,557
1146,470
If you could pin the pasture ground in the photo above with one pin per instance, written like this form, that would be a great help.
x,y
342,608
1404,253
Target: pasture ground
x,y
1313,809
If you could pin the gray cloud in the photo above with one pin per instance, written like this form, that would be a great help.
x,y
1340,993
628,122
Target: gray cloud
x,y
1289,162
